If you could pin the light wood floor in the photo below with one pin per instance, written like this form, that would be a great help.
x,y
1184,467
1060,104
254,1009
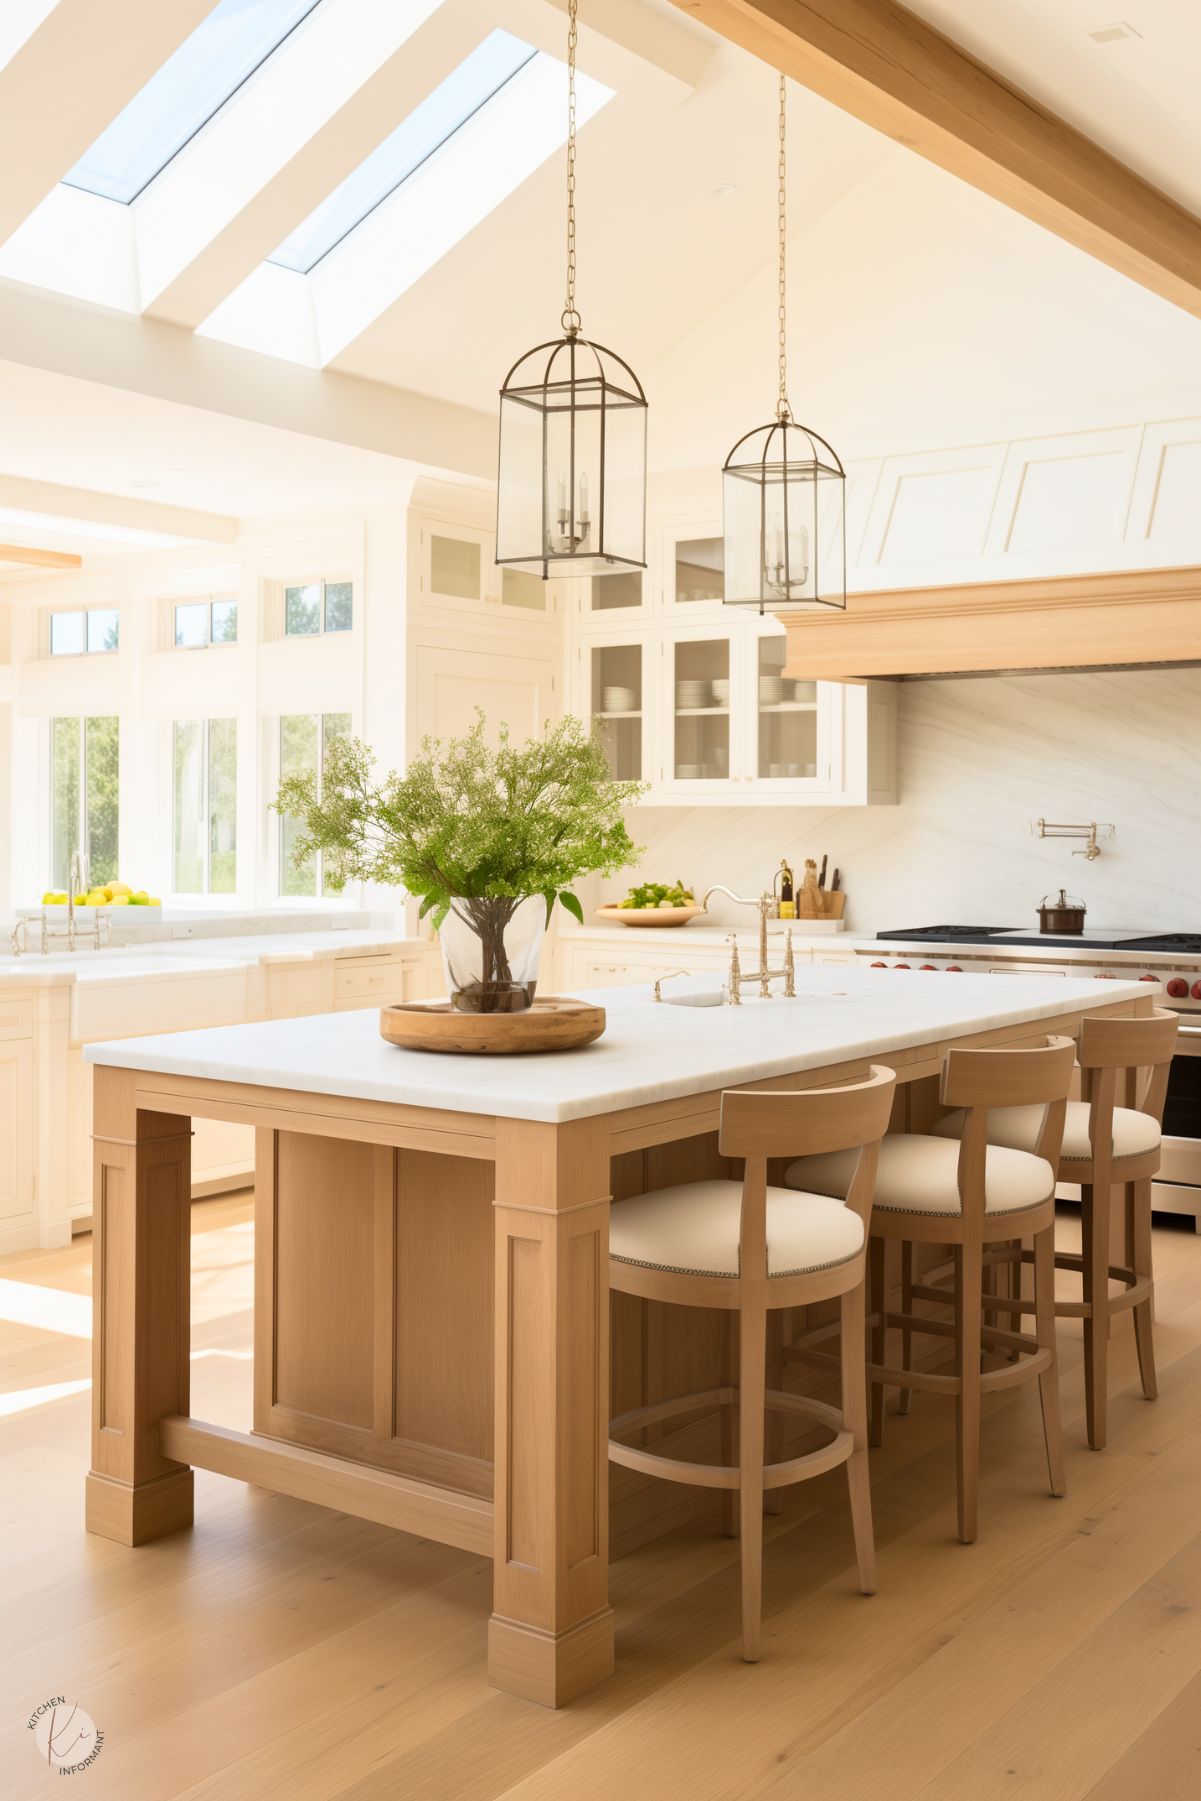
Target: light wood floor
x,y
280,1650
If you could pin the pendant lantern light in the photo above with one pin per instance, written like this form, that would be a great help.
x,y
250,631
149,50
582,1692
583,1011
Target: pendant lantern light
x,y
784,491
571,485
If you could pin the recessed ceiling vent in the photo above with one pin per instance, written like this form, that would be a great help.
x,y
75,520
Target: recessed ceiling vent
x,y
1114,34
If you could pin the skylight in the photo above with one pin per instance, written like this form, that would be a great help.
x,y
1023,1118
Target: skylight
x,y
478,78
223,52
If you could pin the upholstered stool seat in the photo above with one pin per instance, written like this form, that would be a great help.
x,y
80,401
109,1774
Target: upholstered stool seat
x,y
980,1199
920,1174
1106,1147
1134,1133
693,1229
755,1251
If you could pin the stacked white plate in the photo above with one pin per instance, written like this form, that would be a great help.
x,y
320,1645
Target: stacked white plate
x,y
618,700
771,690
721,691
693,694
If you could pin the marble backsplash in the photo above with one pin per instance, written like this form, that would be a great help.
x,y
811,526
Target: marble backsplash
x,y
979,761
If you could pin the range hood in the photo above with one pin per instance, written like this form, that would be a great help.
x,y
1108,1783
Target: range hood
x,y
1127,617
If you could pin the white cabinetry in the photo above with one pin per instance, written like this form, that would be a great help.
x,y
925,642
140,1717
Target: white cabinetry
x,y
692,698
17,1199
514,681
610,965
477,636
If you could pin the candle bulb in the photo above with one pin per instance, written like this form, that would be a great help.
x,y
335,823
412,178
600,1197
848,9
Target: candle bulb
x,y
562,495
583,495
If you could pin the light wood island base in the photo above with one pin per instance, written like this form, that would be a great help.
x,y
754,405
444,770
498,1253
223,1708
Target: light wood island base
x,y
431,1326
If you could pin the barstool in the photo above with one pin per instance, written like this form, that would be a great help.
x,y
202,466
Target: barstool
x,y
1105,1143
969,1195
748,1248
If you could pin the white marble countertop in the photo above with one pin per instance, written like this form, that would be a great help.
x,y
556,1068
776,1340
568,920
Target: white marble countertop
x,y
194,957
649,1052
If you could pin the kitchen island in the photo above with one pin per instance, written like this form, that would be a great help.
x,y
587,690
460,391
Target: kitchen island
x,y
431,1278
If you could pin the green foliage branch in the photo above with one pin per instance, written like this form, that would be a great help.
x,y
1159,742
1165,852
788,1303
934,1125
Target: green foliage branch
x,y
466,826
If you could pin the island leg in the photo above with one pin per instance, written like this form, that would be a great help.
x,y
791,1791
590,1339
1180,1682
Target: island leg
x,y
142,1165
551,1632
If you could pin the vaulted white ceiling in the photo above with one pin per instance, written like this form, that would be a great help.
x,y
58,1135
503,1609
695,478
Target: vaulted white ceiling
x,y
179,348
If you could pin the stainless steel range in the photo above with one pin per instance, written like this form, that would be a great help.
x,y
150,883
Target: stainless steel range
x,y
1170,960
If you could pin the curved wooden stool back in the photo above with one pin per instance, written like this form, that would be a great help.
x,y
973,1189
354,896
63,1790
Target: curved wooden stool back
x,y
1124,1063
978,1081
756,1126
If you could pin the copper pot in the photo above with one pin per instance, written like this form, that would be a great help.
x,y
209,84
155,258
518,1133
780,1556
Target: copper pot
x,y
1061,916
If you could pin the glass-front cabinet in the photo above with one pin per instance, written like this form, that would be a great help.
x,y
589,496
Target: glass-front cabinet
x,y
621,593
691,695
731,725
788,743
700,740
615,695
691,564
458,573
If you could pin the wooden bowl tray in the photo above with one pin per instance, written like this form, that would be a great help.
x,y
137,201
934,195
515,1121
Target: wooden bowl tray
x,y
549,1025
647,916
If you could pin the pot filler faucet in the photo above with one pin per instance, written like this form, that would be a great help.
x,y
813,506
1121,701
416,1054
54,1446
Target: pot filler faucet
x,y
763,975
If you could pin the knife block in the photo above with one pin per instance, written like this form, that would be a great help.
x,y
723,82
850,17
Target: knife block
x,y
832,905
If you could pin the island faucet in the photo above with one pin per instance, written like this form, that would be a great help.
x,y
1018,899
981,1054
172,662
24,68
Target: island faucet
x,y
763,975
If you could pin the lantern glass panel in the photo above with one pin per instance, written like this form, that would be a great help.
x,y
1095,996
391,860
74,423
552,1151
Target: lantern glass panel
x,y
572,478
625,482
784,533
519,487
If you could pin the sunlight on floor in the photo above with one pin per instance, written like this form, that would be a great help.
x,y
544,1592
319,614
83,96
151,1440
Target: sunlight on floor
x,y
49,1309
23,1400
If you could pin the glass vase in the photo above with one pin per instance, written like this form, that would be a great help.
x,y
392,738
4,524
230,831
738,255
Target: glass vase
x,y
490,951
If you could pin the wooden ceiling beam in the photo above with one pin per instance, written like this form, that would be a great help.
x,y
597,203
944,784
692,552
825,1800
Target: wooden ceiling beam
x,y
880,62
39,559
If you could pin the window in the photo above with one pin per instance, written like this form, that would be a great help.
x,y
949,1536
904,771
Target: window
x,y
205,764
209,67
200,622
318,607
304,739
84,769
478,78
84,631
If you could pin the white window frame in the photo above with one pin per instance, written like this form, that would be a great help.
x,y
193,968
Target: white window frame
x,y
323,582
208,602
53,613
47,806
204,896
349,895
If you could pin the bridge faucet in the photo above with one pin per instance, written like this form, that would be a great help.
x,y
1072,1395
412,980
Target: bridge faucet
x,y
764,974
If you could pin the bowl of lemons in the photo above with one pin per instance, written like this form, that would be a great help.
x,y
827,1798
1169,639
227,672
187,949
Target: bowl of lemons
x,y
108,894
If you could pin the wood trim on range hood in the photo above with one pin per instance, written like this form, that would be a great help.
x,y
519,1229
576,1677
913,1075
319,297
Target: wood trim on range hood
x,y
1058,622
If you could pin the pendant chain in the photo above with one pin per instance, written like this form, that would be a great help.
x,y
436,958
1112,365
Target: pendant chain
x,y
783,410
571,319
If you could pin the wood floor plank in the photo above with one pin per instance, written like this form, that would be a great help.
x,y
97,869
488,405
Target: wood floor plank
x,y
1082,1718
1165,1759
282,1650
